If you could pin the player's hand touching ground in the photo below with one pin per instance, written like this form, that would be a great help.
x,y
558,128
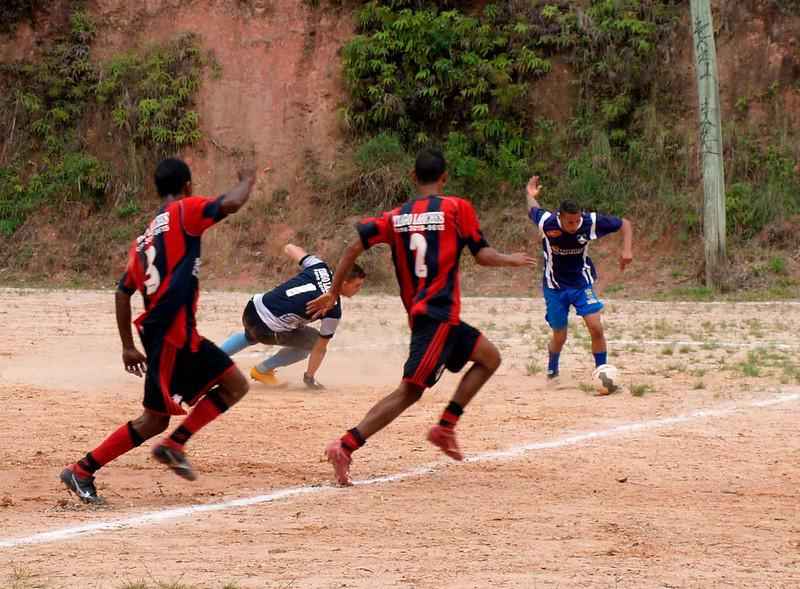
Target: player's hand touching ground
x,y
135,362
321,305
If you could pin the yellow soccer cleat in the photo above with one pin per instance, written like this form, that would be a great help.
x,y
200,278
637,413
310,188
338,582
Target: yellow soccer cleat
x,y
267,378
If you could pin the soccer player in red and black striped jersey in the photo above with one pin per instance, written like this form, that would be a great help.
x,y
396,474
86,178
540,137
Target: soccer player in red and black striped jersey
x,y
426,235
179,366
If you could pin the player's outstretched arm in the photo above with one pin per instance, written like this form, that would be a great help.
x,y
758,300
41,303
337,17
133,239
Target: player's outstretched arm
x,y
295,252
319,306
234,199
488,256
317,356
532,191
133,359
627,244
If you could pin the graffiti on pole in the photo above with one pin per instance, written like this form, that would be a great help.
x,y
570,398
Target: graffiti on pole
x,y
703,43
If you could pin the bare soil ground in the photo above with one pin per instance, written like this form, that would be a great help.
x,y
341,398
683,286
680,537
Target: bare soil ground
x,y
707,501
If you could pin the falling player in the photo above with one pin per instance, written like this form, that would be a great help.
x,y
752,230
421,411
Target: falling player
x,y
426,236
279,318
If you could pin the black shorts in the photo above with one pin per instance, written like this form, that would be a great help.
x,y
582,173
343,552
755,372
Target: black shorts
x,y
435,346
176,375
256,330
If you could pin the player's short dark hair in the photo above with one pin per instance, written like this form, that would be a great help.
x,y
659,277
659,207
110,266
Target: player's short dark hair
x,y
171,176
356,272
569,206
430,165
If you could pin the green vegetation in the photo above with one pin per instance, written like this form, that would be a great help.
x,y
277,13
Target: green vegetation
x,y
142,101
424,72
640,390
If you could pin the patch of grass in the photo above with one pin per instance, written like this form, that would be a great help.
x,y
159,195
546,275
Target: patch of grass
x,y
533,368
684,350
640,390
777,265
128,209
698,372
699,385
586,388
667,351
750,369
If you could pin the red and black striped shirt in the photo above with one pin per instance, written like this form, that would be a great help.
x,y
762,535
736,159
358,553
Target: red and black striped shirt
x,y
427,235
163,264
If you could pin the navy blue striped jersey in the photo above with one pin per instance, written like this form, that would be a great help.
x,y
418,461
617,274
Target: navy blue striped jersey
x,y
566,260
284,307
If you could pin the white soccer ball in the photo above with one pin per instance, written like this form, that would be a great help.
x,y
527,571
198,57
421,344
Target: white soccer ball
x,y
606,379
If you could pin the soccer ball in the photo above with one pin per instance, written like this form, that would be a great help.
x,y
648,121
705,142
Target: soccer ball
x,y
606,379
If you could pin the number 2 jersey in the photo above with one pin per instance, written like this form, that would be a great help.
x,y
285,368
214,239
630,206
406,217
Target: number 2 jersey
x,y
163,265
426,236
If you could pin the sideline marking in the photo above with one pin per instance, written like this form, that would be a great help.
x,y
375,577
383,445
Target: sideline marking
x,y
155,517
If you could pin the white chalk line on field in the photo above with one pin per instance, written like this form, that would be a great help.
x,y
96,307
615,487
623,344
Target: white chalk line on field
x,y
155,517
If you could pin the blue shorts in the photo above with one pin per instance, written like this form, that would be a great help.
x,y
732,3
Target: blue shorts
x,y
559,301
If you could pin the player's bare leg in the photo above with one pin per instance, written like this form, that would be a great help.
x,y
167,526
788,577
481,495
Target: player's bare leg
x,y
594,323
382,414
486,360
388,409
229,391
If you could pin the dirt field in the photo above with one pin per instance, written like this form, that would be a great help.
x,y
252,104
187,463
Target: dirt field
x,y
690,477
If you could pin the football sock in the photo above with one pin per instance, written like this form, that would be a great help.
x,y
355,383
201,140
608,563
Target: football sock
x,y
284,357
600,358
353,440
123,439
207,410
451,414
235,343
552,362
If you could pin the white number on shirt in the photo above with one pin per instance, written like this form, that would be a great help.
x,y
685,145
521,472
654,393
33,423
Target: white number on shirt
x,y
419,245
152,278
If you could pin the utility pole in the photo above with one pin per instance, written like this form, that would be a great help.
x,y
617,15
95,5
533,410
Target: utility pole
x,y
710,131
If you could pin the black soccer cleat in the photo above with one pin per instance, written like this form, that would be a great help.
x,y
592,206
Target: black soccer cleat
x,y
176,460
312,382
608,383
83,487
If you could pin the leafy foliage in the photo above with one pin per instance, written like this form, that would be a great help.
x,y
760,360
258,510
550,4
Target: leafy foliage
x,y
428,72
151,95
146,98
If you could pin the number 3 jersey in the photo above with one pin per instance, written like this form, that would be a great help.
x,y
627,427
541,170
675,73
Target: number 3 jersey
x,y
163,265
284,307
426,236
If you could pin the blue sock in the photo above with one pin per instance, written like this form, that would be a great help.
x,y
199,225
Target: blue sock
x,y
600,358
236,343
284,357
552,363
